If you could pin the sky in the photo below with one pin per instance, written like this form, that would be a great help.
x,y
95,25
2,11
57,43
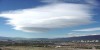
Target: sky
x,y
49,18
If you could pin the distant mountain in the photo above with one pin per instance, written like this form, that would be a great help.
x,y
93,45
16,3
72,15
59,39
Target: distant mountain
x,y
11,38
91,37
4,38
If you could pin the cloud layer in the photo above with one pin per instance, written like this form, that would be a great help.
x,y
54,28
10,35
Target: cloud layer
x,y
77,34
44,18
89,29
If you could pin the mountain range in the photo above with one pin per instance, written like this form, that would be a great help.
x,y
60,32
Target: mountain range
x,y
90,37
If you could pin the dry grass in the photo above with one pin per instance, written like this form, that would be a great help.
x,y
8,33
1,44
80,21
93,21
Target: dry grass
x,y
39,48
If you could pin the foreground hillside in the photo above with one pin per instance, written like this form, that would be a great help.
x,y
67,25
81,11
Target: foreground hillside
x,y
41,48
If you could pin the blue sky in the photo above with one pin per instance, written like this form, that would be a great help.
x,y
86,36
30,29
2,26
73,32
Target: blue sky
x,y
49,18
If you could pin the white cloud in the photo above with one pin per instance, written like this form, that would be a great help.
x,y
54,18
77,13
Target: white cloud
x,y
92,2
72,34
47,17
89,29
51,1
77,34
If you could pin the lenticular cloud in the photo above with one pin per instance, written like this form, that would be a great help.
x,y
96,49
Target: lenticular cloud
x,y
44,18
